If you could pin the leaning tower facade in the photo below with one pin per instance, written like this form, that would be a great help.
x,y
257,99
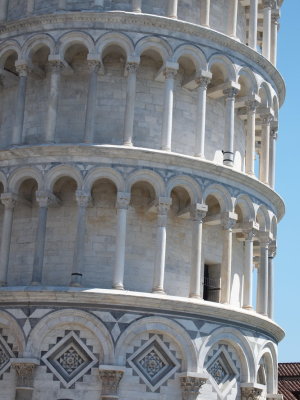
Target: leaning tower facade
x,y
138,213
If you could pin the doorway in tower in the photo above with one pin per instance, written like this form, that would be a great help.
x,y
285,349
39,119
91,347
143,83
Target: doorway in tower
x,y
212,282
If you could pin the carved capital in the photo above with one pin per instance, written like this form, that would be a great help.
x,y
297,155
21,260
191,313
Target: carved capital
x,y
272,249
228,221
230,93
264,240
251,393
55,65
123,200
269,3
94,65
203,81
250,234
274,133
163,205
191,385
46,199
170,73
110,377
251,106
266,119
22,69
25,371
198,211
83,199
9,200
132,67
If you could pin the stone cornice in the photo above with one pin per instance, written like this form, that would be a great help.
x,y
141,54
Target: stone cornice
x,y
151,22
147,302
156,158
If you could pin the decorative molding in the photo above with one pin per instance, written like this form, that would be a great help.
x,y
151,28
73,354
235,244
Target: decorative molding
x,y
25,368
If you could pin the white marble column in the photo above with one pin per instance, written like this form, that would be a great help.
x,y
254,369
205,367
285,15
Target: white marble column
x,y
172,9
232,17
228,151
272,161
227,224
248,271
198,212
253,24
22,70
205,13
130,103
161,241
168,109
44,199
122,204
3,10
266,45
265,148
272,254
30,7
137,6
201,117
250,138
9,202
83,201
262,281
89,128
274,33
51,119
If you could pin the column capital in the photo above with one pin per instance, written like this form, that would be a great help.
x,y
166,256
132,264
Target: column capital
x,y
272,249
110,376
269,3
45,198
274,132
9,200
203,81
163,206
83,199
22,68
123,200
170,73
275,16
266,119
231,92
251,105
228,220
264,239
249,234
132,67
191,384
198,211
251,391
25,368
94,65
55,64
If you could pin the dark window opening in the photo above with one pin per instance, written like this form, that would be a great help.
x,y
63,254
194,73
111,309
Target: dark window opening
x,y
211,283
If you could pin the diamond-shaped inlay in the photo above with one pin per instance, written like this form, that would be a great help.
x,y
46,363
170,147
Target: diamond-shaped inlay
x,y
69,359
222,369
4,357
154,363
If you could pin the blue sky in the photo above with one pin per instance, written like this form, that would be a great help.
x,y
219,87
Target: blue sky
x,y
287,262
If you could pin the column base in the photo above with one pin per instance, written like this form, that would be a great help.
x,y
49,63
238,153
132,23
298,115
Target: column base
x,y
166,149
118,287
35,283
250,308
158,291
195,296
199,155
128,144
228,163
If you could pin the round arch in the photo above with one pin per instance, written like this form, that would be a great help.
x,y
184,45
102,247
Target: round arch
x,y
221,194
225,64
148,176
35,42
74,37
103,173
187,183
21,174
62,171
194,54
114,38
156,44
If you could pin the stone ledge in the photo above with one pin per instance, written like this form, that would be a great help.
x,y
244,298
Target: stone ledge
x,y
81,297
96,20
66,153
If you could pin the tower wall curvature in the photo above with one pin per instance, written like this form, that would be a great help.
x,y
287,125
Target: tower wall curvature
x,y
137,174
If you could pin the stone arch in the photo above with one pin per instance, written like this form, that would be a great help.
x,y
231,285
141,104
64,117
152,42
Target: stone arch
x,y
103,173
60,171
3,180
225,65
21,174
189,184
263,218
268,354
7,49
159,325
248,81
235,338
35,42
114,38
221,194
70,316
265,95
9,322
148,176
156,44
194,54
74,37
244,202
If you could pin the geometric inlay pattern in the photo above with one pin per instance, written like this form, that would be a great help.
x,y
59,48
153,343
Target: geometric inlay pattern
x,y
154,363
69,359
222,370
5,355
